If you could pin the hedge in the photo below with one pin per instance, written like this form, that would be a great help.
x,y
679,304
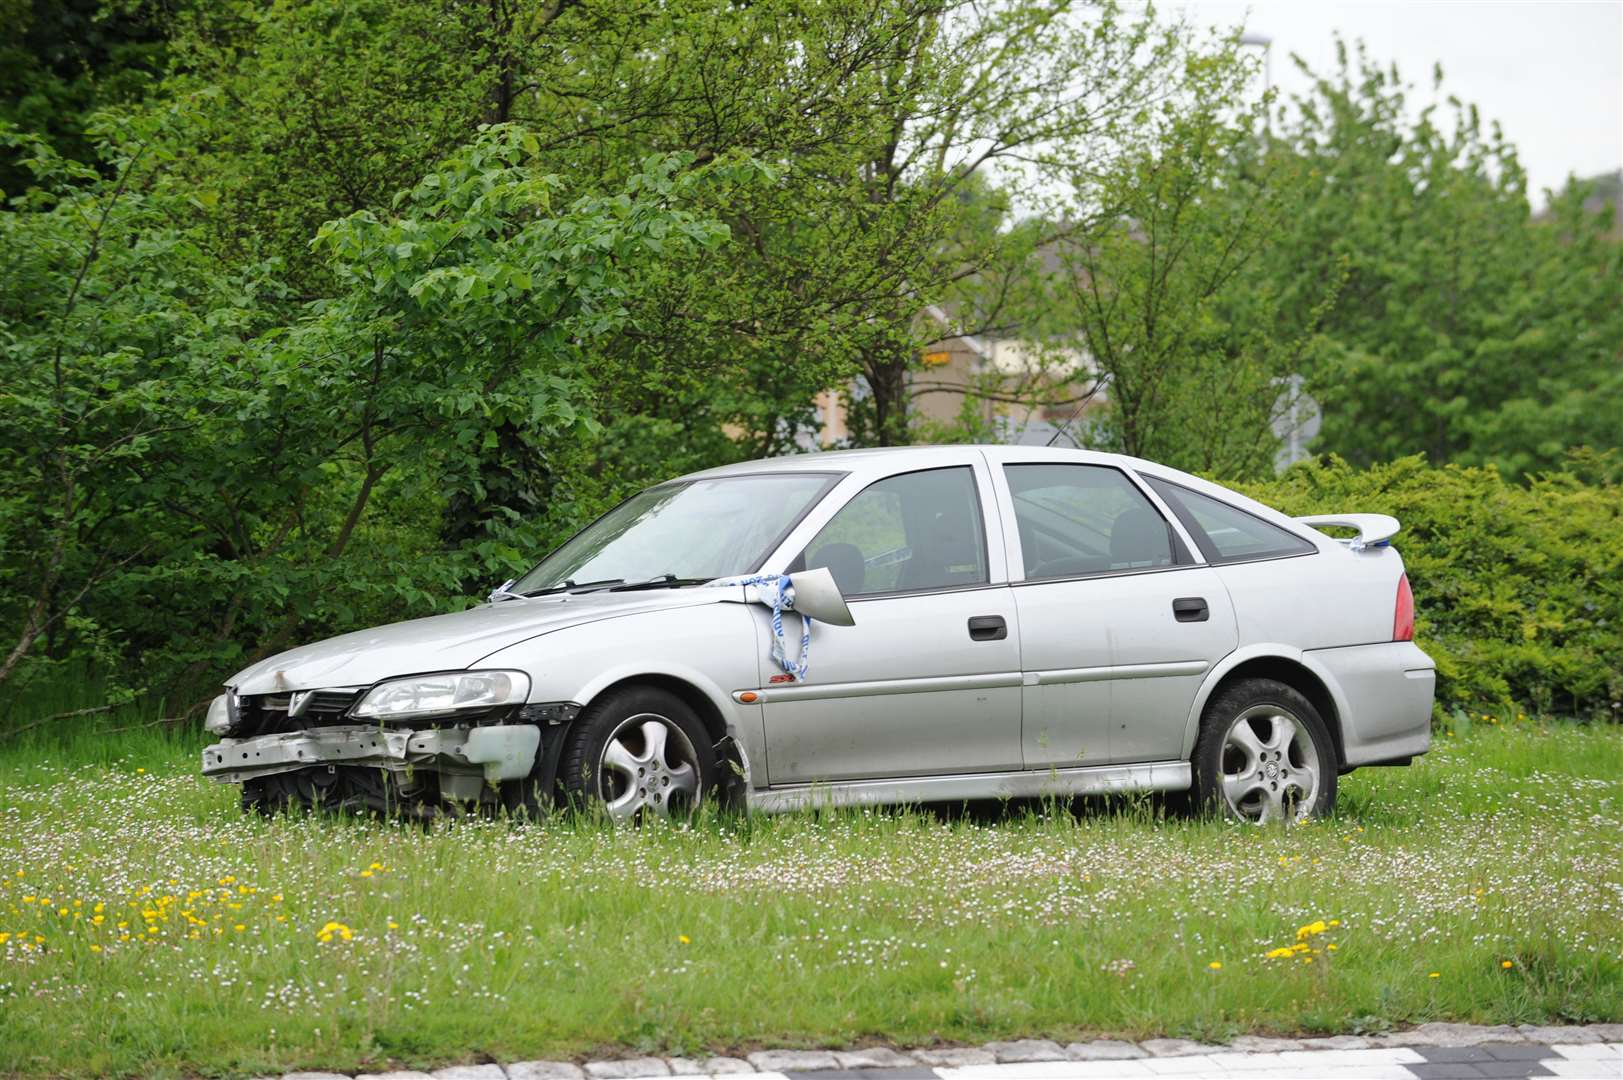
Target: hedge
x,y
1518,586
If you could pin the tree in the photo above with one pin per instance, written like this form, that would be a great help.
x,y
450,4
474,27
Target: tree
x,y
1465,329
63,60
112,324
1179,329
164,436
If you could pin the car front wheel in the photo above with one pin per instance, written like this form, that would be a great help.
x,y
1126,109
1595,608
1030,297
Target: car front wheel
x,y
1264,754
638,752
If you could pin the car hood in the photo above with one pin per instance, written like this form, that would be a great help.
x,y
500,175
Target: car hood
x,y
449,642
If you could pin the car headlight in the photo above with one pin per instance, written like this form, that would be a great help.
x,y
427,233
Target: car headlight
x,y
427,695
218,719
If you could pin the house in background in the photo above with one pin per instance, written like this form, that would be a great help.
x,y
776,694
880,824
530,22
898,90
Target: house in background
x,y
1029,393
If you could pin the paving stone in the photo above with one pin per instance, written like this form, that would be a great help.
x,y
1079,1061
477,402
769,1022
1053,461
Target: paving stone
x,y
1263,1044
1608,1032
315,1076
1103,1050
711,1066
1199,1066
627,1067
1024,1050
1178,1047
1571,1034
545,1070
397,1074
1444,1070
1511,1051
955,1057
470,1072
793,1060
1453,1054
874,1057
1588,1052
1510,1070
1338,1042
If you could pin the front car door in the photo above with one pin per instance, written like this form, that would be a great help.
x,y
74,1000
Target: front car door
x,y
927,681
1119,621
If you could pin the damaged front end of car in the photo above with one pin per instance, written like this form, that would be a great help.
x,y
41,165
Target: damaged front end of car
x,y
418,746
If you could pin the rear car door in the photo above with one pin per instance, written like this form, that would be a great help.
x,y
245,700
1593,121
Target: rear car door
x,y
927,681
1119,621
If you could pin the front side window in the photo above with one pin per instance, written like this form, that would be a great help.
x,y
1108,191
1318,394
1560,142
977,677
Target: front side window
x,y
905,533
1076,520
695,530
1226,533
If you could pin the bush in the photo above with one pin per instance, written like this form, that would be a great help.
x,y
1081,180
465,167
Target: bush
x,y
1518,587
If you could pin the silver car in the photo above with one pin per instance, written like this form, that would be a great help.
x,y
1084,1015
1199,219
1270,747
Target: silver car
x,y
872,626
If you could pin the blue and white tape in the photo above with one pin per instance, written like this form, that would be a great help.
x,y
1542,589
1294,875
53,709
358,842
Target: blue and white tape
x,y
783,599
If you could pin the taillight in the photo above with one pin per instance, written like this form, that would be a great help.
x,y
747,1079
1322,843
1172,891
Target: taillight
x,y
1403,617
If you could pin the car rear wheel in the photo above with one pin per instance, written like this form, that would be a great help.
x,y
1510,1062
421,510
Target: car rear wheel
x,y
1264,755
639,752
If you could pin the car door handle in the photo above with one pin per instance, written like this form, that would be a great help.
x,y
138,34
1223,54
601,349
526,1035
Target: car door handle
x,y
988,628
1191,609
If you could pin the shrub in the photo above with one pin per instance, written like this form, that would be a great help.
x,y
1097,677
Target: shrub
x,y
1518,587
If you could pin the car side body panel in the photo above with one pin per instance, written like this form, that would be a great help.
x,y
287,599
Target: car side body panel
x,y
713,648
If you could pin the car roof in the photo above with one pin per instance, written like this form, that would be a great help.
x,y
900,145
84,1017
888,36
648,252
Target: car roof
x,y
875,463
881,461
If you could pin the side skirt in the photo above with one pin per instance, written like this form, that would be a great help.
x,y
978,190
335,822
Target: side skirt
x,y
1090,780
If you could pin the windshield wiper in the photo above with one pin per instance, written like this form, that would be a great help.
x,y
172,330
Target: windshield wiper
x,y
576,586
662,581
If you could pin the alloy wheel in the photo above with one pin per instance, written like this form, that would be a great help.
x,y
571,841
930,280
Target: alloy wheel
x,y
648,767
1270,766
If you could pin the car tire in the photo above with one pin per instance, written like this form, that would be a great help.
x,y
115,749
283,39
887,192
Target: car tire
x,y
1264,754
637,752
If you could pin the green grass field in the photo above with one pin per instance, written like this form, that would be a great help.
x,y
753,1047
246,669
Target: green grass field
x,y
148,928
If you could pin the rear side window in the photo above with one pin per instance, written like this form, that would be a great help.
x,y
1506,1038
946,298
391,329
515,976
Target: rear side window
x,y
1226,533
906,533
1076,520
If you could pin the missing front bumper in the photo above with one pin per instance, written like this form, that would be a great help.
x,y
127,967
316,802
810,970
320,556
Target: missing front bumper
x,y
498,751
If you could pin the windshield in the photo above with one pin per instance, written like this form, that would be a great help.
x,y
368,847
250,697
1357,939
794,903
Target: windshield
x,y
681,532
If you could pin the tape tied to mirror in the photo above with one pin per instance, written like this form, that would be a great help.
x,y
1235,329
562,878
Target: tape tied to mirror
x,y
783,599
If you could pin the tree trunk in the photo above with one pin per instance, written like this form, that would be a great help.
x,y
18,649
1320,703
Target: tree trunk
x,y
887,381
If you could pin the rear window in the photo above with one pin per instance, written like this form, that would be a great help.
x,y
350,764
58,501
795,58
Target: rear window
x,y
1226,533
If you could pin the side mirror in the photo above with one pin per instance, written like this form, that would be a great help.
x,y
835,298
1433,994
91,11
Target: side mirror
x,y
818,597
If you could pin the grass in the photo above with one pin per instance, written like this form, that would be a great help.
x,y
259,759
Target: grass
x,y
153,930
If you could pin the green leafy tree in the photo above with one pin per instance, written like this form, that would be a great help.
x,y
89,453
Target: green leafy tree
x,y
163,438
1465,328
1180,330
62,60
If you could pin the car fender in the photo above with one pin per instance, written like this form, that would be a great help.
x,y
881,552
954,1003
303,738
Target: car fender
x,y
1266,650
712,648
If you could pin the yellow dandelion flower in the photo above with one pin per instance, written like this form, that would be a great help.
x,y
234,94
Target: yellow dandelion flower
x,y
1216,965
1507,963
95,948
1434,975
684,939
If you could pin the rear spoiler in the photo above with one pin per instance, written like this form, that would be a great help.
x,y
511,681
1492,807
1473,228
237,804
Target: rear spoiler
x,y
1374,530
